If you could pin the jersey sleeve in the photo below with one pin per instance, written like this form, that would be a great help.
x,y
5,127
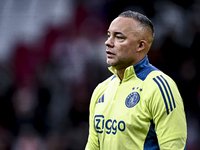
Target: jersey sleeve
x,y
168,114
92,143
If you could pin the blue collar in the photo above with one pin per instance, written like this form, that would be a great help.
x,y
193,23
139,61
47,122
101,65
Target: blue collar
x,y
143,68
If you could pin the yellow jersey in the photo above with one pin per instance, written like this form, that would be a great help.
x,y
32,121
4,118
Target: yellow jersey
x,y
144,111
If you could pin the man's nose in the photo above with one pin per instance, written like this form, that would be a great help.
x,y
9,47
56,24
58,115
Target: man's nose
x,y
109,42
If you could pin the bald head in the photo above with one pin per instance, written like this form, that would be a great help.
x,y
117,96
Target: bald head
x,y
142,19
145,27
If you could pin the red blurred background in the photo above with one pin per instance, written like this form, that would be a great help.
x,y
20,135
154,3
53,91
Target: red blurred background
x,y
52,56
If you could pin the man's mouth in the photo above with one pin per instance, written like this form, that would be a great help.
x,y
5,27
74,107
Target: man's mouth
x,y
109,53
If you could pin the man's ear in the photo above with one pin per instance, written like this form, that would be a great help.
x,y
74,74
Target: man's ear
x,y
142,45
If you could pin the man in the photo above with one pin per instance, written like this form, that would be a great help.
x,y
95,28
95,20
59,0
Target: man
x,y
139,107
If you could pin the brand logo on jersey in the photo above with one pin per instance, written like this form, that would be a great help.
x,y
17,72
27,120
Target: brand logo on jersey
x,y
110,126
101,99
132,99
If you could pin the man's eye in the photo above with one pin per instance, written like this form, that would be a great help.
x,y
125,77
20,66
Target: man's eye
x,y
119,37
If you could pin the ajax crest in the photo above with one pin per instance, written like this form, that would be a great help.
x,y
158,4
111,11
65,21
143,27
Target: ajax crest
x,y
132,99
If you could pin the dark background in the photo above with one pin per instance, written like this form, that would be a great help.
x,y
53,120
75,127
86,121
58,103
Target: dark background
x,y
52,56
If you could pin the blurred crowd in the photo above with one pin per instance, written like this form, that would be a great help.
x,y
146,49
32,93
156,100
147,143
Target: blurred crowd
x,y
52,56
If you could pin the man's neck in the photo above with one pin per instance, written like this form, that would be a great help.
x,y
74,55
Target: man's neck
x,y
120,73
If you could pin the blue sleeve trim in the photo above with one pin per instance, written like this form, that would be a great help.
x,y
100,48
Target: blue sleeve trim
x,y
162,82
169,91
151,142
114,76
163,95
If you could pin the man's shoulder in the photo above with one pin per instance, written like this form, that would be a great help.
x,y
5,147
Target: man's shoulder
x,y
159,81
100,89
157,74
105,83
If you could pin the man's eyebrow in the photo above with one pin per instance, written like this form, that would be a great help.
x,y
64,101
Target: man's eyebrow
x,y
119,33
116,32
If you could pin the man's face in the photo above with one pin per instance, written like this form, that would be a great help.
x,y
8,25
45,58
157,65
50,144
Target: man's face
x,y
123,42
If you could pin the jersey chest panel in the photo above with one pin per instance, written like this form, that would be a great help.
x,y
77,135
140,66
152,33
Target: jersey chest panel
x,y
121,112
